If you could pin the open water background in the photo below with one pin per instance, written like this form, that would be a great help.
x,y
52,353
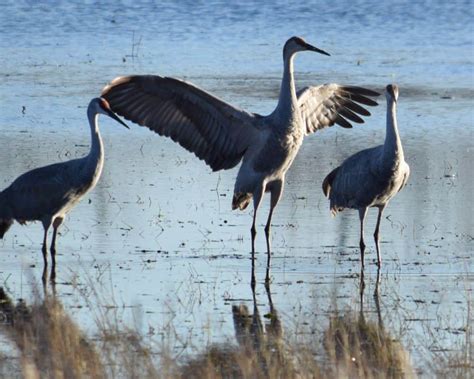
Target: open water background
x,y
157,238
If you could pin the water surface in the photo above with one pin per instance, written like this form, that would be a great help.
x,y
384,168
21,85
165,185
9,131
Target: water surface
x,y
157,237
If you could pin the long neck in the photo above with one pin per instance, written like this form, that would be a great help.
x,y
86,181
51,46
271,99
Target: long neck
x,y
95,157
393,145
287,101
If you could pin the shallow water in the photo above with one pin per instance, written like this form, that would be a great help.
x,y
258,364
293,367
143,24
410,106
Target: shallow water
x,y
157,238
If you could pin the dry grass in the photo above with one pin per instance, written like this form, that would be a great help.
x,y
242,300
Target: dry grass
x,y
259,352
51,345
363,349
458,364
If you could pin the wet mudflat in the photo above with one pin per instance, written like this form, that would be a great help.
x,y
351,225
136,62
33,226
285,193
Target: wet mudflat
x,y
156,246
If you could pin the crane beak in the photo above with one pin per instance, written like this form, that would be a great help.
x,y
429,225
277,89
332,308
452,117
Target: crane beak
x,y
115,117
315,49
104,104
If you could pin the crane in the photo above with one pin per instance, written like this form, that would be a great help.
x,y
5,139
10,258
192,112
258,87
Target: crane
x,y
371,177
48,193
223,135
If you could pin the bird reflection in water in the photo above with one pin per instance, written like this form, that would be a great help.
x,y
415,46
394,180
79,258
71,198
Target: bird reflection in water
x,y
361,348
260,351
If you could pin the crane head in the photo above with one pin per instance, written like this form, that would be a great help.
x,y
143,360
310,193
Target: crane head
x,y
104,108
296,44
392,91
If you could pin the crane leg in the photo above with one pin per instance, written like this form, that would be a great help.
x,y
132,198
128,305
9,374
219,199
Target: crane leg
x,y
257,197
269,252
56,223
276,190
376,236
44,249
253,233
53,247
362,213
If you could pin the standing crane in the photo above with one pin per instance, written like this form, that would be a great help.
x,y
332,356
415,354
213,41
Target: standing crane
x,y
223,135
371,177
48,193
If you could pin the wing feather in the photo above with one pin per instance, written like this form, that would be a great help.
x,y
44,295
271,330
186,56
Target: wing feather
x,y
355,107
347,113
329,104
338,119
213,130
361,91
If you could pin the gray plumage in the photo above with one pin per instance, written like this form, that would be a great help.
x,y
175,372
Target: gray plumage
x,y
371,177
48,193
223,135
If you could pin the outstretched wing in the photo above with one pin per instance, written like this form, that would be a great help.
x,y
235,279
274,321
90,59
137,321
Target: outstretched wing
x,y
329,104
213,130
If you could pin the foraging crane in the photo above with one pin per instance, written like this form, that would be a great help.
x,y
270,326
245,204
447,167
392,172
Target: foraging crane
x,y
371,177
223,135
48,193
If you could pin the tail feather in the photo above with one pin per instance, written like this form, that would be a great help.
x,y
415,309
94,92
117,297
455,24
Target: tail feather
x,y
327,188
6,219
241,200
335,209
4,226
327,182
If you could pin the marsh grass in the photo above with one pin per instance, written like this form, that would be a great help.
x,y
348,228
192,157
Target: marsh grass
x,y
51,345
363,349
458,364
259,351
